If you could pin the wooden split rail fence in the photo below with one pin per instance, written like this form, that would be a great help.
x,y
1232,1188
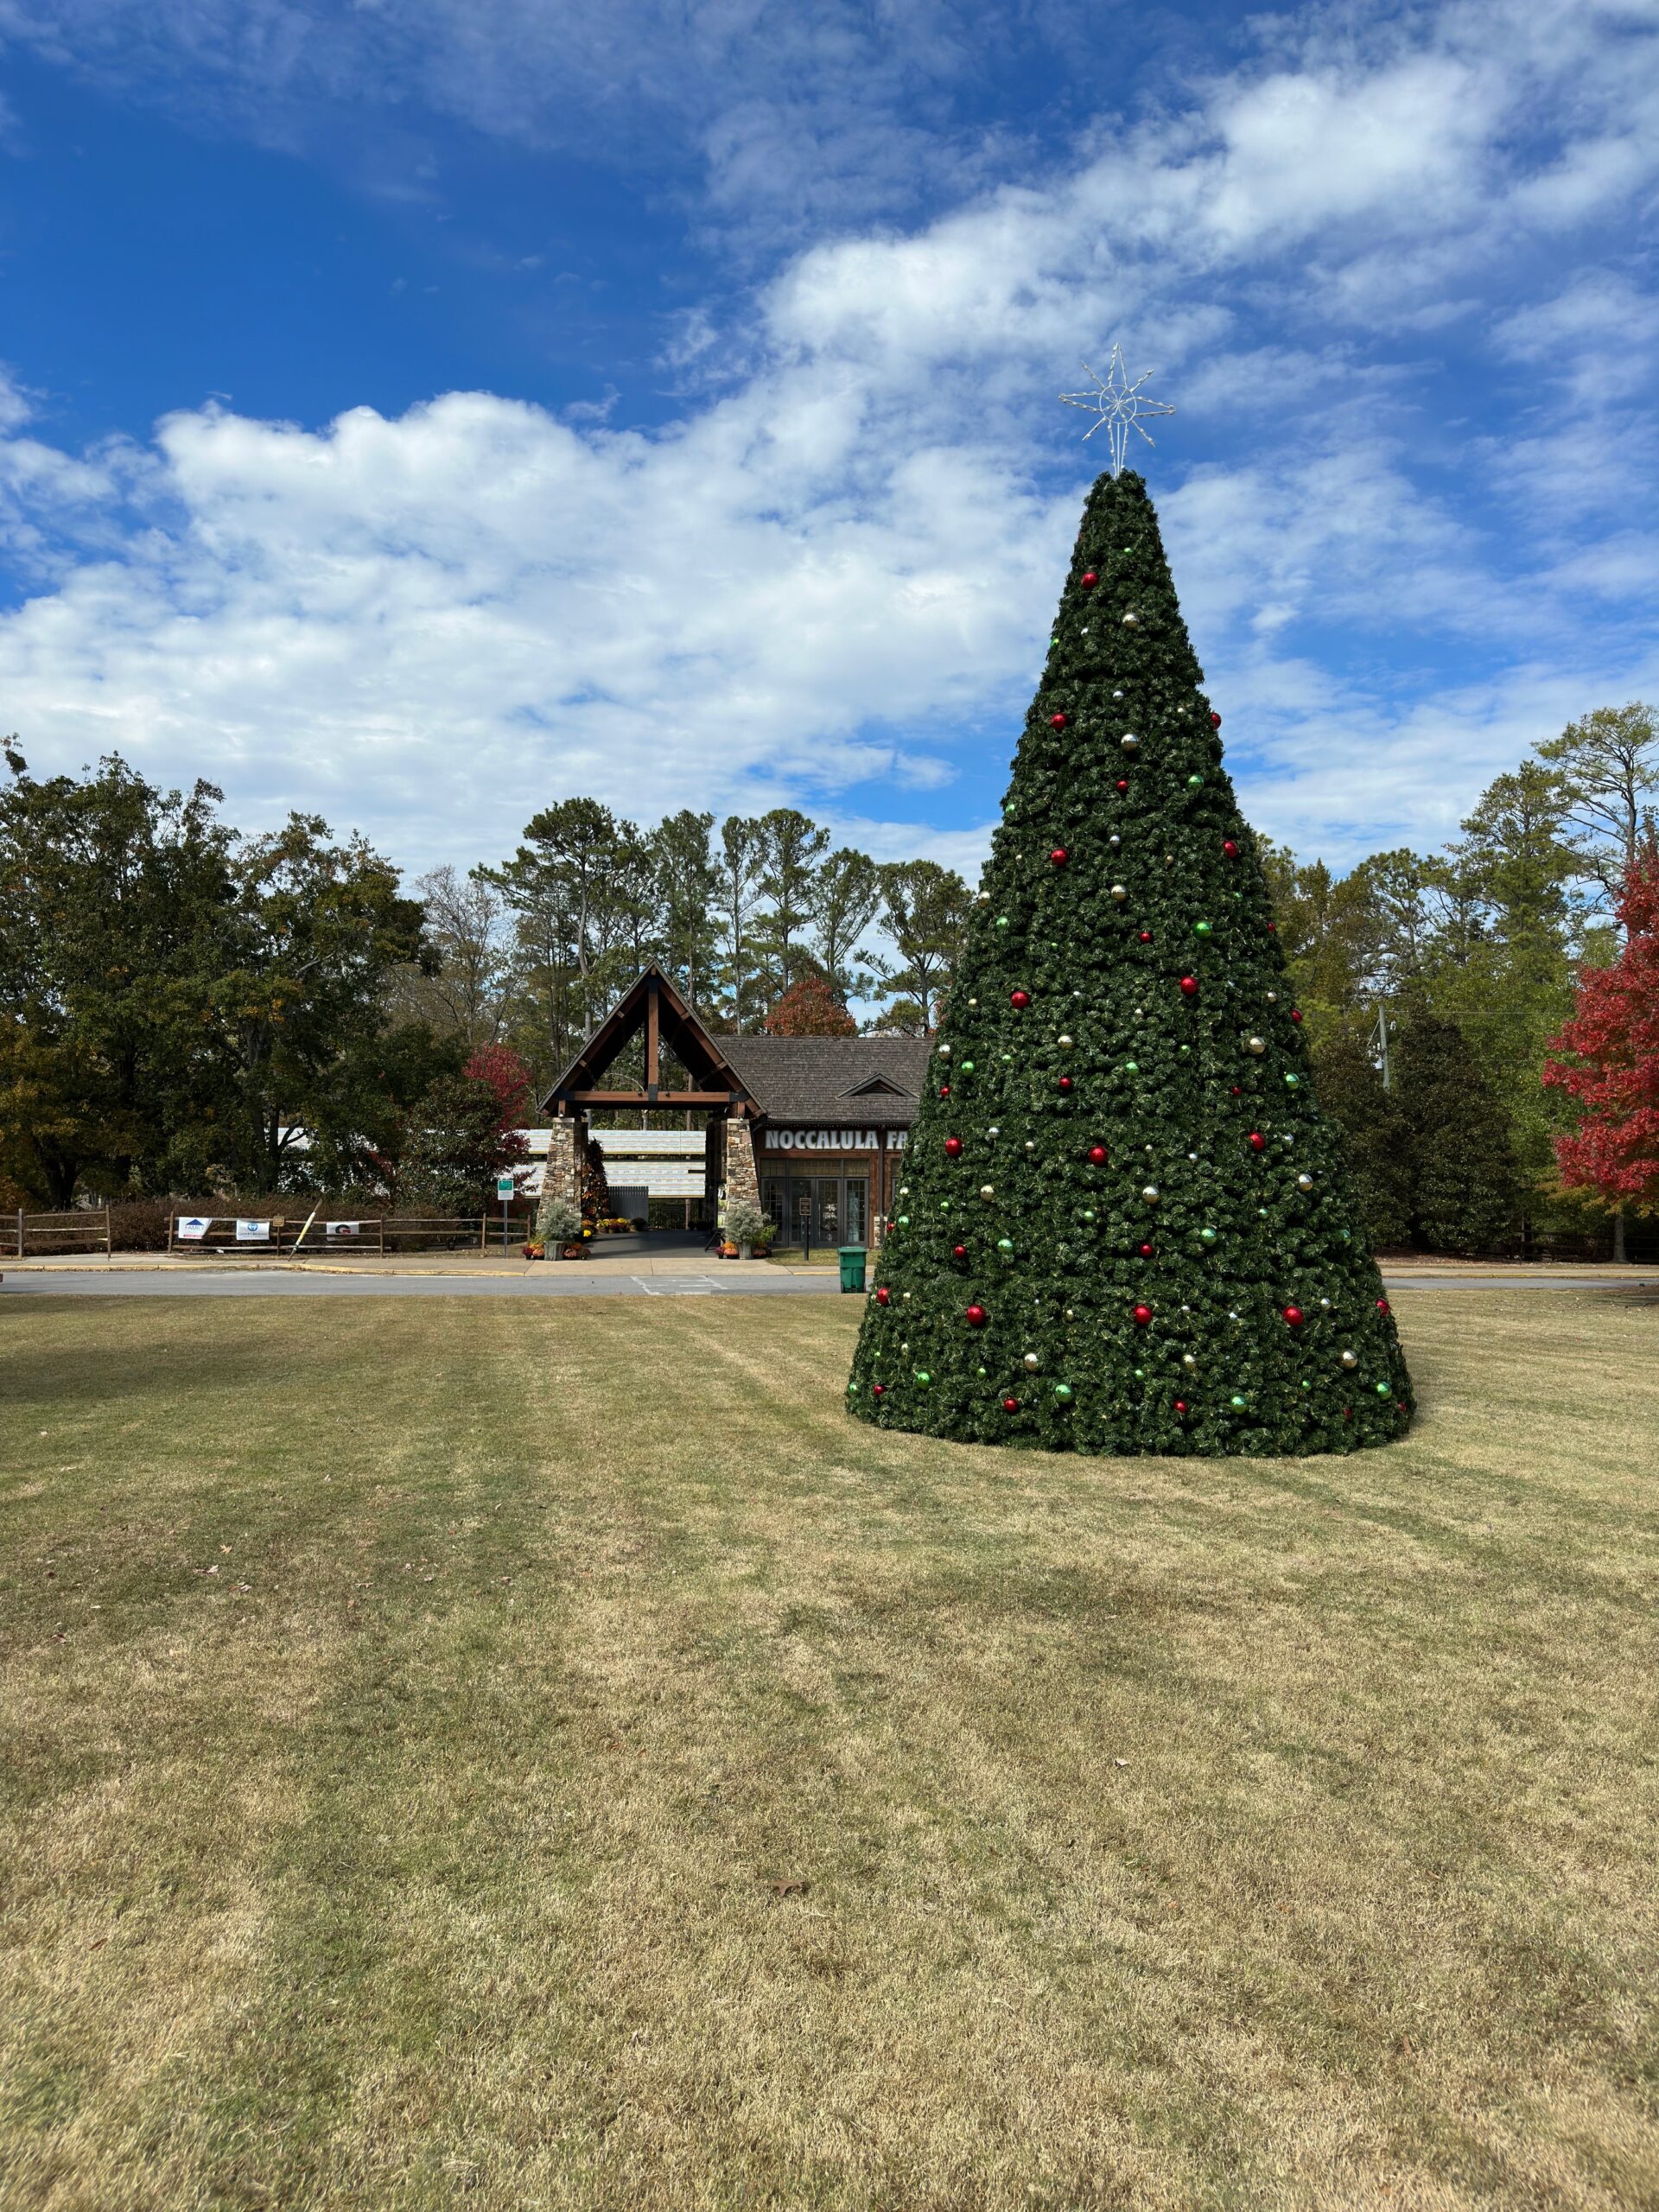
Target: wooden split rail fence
x,y
370,1233
81,1229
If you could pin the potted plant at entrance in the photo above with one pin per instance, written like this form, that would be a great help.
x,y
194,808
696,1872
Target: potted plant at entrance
x,y
749,1226
558,1227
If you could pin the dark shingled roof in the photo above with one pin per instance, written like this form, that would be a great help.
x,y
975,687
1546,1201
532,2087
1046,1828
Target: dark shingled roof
x,y
824,1079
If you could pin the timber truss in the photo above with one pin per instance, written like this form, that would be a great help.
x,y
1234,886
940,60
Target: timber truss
x,y
653,1006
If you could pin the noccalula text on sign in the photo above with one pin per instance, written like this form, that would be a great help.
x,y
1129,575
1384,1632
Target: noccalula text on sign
x,y
832,1140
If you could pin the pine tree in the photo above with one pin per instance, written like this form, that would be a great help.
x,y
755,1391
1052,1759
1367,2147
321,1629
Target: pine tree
x,y
1125,1226
1463,1177
1353,1095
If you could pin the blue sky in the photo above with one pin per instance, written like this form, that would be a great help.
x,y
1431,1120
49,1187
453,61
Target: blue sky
x,y
416,412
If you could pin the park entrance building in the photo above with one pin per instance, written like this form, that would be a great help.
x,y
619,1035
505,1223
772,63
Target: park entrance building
x,y
811,1128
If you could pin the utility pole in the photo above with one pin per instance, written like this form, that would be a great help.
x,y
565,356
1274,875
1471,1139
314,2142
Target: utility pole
x,y
1380,1045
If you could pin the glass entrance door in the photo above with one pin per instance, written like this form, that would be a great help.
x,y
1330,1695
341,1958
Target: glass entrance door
x,y
818,1209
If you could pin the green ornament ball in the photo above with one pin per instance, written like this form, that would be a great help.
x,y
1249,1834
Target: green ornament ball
x,y
1004,1244
1206,1235
1062,1390
1292,1081
1131,1067
1193,782
967,1067
1201,929
1237,1403
1382,1389
923,1377
1001,921
902,1222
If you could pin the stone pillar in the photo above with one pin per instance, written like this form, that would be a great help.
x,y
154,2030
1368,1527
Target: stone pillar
x,y
742,1184
566,1147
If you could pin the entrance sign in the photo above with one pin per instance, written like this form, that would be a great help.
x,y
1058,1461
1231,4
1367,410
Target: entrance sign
x,y
823,1141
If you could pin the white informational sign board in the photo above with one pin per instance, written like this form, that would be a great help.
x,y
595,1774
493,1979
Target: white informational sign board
x,y
342,1229
253,1232
194,1228
504,1186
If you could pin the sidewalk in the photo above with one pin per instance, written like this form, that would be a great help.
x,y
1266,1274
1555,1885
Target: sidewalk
x,y
467,1264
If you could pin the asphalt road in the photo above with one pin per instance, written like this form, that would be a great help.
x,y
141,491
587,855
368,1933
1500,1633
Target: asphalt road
x,y
233,1284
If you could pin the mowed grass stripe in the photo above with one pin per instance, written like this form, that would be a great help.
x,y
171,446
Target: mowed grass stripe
x,y
624,1780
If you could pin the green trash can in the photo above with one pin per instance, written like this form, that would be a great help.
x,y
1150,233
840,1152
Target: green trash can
x,y
852,1267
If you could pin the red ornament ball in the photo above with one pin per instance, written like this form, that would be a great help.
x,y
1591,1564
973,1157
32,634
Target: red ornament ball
x,y
1230,849
884,1296
1059,856
953,1148
878,1389
1098,1155
1293,1317
1215,719
1272,929
1122,783
1145,1251
1383,1305
944,1090
1145,937
1143,1315
1057,722
1189,987
1235,1091
1020,998
1180,1405
1090,577
1296,1015
1258,1143
1066,1083
1010,1405
975,1316
958,1251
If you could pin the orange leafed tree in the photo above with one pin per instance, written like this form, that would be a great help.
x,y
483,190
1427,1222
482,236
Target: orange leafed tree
x,y
809,1009
1610,1057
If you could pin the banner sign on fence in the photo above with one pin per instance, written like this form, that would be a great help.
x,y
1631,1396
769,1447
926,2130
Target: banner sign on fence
x,y
194,1228
342,1227
253,1232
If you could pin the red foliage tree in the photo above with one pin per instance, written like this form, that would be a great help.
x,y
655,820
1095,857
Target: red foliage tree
x,y
1613,1071
809,1009
509,1077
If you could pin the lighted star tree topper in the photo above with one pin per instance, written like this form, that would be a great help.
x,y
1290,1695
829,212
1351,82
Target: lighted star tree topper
x,y
1117,403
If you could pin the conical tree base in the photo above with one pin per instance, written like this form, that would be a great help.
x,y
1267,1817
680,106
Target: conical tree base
x,y
1124,1224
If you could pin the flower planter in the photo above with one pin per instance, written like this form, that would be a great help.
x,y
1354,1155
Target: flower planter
x,y
573,1252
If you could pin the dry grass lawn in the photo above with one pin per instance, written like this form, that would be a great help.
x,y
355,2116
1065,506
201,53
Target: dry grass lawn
x,y
507,1754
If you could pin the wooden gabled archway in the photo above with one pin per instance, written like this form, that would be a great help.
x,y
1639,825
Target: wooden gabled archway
x,y
651,1005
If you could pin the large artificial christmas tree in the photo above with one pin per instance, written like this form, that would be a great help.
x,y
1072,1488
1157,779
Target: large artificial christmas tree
x,y
1123,1225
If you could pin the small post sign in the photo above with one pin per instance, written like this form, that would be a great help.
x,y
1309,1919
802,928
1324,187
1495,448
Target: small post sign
x,y
504,1191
